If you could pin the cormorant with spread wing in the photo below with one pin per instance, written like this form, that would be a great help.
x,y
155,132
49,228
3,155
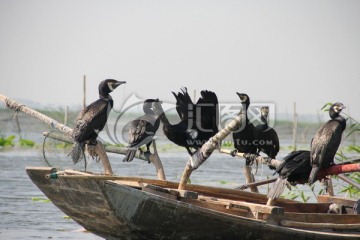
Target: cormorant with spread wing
x,y
142,130
198,122
326,141
92,119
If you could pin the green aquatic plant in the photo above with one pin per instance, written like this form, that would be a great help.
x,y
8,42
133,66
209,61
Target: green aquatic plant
x,y
26,143
7,141
40,199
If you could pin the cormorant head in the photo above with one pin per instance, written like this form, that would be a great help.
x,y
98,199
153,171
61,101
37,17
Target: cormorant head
x,y
244,98
336,109
264,111
108,85
149,104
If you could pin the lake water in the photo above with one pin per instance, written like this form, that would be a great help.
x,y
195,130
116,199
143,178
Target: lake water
x,y
25,213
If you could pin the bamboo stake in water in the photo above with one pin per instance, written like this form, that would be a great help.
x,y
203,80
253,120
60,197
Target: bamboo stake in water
x,y
84,92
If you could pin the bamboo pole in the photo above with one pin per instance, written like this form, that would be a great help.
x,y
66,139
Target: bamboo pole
x,y
153,158
21,107
207,148
250,178
68,132
349,181
295,125
259,183
84,91
66,116
273,162
98,150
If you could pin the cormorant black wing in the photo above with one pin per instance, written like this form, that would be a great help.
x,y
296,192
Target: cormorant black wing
x,y
325,144
296,161
184,104
208,107
91,120
141,132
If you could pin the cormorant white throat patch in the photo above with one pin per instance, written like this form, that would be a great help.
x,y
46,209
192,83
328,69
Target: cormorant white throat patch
x,y
110,86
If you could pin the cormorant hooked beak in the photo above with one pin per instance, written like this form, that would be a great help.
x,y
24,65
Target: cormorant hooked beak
x,y
242,96
339,107
117,83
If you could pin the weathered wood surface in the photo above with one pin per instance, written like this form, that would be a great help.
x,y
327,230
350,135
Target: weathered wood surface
x,y
349,202
202,154
10,103
115,211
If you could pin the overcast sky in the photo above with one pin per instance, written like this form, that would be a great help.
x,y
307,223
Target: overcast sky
x,y
276,51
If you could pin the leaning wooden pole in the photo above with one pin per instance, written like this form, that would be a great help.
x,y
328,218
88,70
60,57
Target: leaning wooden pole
x,y
263,160
99,150
16,106
207,149
154,158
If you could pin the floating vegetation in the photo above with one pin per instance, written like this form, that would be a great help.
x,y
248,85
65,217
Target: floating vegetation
x,y
40,199
7,141
26,143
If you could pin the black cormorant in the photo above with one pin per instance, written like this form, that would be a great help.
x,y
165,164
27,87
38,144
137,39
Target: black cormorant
x,y
198,122
142,130
245,135
326,141
92,119
294,169
266,138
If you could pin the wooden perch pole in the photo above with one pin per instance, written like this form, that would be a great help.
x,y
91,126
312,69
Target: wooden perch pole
x,y
16,106
153,158
98,150
349,181
207,148
259,183
274,162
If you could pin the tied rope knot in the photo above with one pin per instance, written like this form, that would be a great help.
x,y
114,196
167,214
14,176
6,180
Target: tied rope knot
x,y
250,158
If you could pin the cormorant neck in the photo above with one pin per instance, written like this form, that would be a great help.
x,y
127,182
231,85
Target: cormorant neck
x,y
264,120
105,96
341,120
164,119
244,110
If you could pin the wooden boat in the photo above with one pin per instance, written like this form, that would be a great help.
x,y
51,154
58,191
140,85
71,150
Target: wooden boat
x,y
116,207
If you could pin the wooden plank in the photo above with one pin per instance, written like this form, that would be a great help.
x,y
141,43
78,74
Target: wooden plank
x,y
323,217
184,193
287,223
349,202
304,207
159,191
219,207
258,211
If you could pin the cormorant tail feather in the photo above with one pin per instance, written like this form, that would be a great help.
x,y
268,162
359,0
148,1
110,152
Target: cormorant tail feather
x,y
313,175
77,151
130,154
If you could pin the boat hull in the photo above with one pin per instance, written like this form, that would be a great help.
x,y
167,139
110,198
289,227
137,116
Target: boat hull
x,y
117,211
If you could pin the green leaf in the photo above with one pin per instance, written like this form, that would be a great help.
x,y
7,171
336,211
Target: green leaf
x,y
327,106
355,148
